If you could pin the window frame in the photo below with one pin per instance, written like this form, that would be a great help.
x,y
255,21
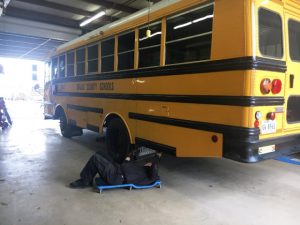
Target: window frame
x,y
282,35
52,74
156,22
79,62
189,37
74,63
59,59
107,56
288,28
89,60
128,51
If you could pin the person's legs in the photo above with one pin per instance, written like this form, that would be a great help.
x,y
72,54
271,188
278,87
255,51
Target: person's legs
x,y
7,115
108,171
96,164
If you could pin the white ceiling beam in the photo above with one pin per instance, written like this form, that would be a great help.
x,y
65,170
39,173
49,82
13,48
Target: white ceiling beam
x,y
32,28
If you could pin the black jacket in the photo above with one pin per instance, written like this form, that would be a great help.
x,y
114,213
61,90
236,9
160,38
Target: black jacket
x,y
136,173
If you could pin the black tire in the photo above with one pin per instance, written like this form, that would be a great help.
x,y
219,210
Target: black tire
x,y
117,140
4,125
65,128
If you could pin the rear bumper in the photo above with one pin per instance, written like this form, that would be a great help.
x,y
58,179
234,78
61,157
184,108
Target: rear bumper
x,y
247,151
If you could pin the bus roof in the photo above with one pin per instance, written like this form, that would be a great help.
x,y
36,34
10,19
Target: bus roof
x,y
95,33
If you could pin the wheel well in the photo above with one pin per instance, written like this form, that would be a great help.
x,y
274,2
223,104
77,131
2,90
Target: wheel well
x,y
113,116
58,112
109,118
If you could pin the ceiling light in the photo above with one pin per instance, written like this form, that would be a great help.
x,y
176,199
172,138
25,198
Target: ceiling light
x,y
97,16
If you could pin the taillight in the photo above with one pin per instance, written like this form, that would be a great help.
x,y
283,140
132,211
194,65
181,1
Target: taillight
x,y
214,138
276,86
271,116
256,124
265,86
258,116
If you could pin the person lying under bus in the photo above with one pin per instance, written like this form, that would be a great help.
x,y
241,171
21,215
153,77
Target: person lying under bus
x,y
131,171
3,106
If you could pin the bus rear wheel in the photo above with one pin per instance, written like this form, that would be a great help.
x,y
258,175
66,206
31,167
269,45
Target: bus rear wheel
x,y
66,129
117,140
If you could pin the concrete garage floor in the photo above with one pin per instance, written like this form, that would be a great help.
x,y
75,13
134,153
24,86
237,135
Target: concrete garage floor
x,y
37,163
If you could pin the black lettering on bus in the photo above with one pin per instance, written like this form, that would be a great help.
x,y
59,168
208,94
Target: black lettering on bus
x,y
107,86
92,86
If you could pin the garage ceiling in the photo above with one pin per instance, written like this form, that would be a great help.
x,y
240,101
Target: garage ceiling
x,y
32,29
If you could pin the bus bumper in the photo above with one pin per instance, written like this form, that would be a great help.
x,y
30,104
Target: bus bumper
x,y
249,151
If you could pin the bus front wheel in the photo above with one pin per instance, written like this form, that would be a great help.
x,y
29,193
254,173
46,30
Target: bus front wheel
x,y
117,140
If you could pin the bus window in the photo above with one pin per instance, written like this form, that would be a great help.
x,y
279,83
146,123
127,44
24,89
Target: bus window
x,y
293,115
149,47
270,34
62,61
189,35
107,55
70,64
80,61
54,66
93,59
47,77
294,37
126,51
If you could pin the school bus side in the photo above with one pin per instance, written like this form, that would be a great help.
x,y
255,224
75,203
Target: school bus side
x,y
200,106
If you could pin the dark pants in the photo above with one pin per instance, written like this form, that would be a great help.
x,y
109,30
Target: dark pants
x,y
109,171
2,105
7,115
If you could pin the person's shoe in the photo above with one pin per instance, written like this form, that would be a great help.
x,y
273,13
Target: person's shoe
x,y
80,183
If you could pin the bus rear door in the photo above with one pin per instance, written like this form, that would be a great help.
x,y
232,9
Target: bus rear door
x,y
292,86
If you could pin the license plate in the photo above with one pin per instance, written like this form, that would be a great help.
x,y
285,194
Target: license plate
x,y
268,127
266,149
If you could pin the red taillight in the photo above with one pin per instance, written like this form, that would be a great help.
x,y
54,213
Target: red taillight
x,y
256,124
276,86
214,138
265,86
271,116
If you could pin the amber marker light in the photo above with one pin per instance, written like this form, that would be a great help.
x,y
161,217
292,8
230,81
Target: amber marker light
x,y
265,86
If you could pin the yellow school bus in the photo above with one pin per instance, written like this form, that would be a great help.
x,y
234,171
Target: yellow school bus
x,y
213,79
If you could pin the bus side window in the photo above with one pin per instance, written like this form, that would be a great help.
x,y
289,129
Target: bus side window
x,y
62,61
149,47
70,63
80,61
126,51
93,58
107,55
189,35
54,68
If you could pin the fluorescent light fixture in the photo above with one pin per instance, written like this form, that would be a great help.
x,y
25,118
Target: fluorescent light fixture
x,y
152,35
97,16
203,18
182,25
194,21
